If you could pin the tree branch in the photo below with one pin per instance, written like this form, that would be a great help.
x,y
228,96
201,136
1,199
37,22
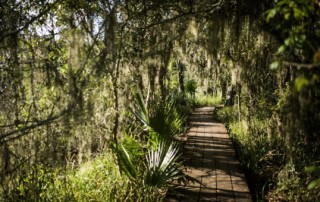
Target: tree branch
x,y
47,121
32,20
301,65
211,9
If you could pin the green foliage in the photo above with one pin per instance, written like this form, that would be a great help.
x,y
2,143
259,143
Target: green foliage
x,y
260,156
309,82
298,24
182,104
141,111
274,65
166,121
191,87
300,83
315,172
292,186
35,183
145,178
263,155
153,163
163,165
293,20
160,167
227,115
134,148
209,100
125,162
64,91
162,120
97,180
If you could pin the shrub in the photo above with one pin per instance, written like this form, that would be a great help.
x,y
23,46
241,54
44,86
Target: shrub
x,y
191,87
209,100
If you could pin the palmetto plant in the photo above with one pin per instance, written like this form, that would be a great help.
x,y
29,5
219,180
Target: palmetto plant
x,y
162,121
125,162
163,164
141,111
160,162
166,121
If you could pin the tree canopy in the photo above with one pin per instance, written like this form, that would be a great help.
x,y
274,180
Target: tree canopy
x,y
80,78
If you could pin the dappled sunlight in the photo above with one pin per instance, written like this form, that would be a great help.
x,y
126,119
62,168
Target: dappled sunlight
x,y
211,166
89,90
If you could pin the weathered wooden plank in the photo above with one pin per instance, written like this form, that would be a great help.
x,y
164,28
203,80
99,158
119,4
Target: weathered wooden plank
x,y
210,160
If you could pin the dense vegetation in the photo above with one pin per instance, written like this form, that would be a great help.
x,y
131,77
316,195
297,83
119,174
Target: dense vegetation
x,y
93,94
273,111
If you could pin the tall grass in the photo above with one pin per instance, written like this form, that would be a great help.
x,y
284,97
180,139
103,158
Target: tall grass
x,y
96,180
260,156
163,120
132,171
209,100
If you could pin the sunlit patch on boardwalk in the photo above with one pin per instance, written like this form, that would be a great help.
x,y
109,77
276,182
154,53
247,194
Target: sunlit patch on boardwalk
x,y
210,160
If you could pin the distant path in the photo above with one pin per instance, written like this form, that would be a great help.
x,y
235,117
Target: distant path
x,y
210,159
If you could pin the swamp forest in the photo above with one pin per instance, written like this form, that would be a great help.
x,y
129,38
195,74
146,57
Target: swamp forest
x,y
95,95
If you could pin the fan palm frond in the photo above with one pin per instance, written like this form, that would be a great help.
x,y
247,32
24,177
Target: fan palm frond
x,y
125,162
163,165
141,111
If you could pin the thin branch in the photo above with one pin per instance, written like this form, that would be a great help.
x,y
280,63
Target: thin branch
x,y
301,65
90,51
213,8
47,121
32,20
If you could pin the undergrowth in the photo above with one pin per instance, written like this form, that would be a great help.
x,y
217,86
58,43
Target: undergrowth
x,y
209,100
140,167
261,151
96,180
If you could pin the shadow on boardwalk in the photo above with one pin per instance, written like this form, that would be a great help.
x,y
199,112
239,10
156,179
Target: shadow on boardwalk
x,y
210,161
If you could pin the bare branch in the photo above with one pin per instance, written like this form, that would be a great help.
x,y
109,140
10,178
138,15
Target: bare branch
x,y
32,20
301,65
47,121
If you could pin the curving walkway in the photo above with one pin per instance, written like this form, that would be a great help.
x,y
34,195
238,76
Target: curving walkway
x,y
210,162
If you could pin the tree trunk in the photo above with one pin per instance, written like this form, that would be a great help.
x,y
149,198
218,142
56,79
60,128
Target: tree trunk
x,y
110,42
163,71
231,95
239,102
152,73
181,77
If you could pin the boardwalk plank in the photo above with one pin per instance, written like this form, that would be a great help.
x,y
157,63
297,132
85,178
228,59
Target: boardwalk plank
x,y
211,159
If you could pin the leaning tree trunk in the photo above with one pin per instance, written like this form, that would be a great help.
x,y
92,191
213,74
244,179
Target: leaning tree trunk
x,y
152,73
110,43
163,71
181,77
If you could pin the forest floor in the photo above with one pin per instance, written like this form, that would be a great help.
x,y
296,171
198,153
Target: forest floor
x,y
213,171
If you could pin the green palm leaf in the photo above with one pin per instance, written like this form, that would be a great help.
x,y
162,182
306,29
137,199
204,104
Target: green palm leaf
x,y
163,165
125,162
141,111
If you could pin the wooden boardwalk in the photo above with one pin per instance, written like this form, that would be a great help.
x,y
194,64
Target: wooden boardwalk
x,y
211,160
